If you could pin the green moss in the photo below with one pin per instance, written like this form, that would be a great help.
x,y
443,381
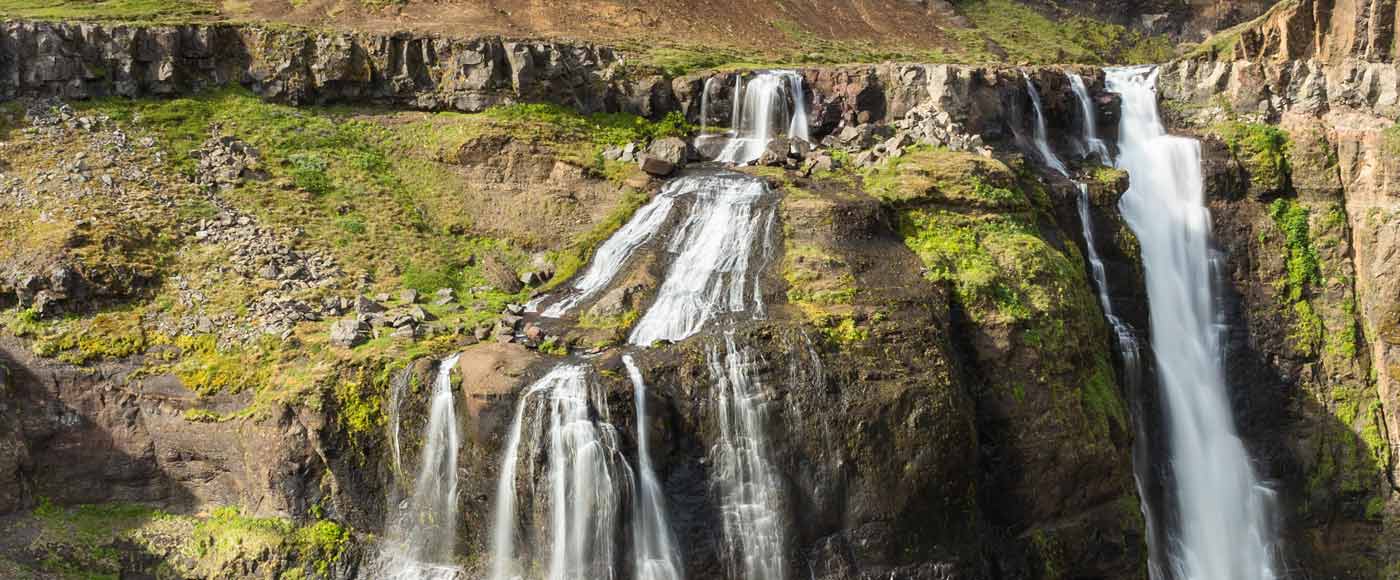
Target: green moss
x,y
1101,399
142,11
202,416
1262,149
842,330
925,174
115,334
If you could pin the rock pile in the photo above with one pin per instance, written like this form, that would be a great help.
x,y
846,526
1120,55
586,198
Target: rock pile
x,y
226,162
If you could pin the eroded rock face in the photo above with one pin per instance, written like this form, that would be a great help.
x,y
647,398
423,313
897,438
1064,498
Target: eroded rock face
x,y
297,66
1312,286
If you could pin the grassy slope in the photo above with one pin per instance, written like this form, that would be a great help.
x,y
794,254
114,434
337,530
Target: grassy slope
x,y
999,31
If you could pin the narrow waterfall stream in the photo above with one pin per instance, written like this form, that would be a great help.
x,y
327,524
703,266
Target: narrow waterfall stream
x,y
653,542
771,103
1129,350
1223,528
1090,131
610,257
421,540
749,485
585,486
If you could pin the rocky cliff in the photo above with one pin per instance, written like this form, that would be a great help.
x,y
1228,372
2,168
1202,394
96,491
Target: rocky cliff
x,y
948,400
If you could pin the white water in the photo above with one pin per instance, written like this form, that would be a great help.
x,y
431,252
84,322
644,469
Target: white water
x,y
397,387
654,546
614,253
1127,343
713,272
772,102
705,104
586,481
421,542
749,484
1042,146
1223,529
1092,141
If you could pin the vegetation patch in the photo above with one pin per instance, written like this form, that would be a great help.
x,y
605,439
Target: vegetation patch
x,y
133,11
1029,36
1262,149
927,174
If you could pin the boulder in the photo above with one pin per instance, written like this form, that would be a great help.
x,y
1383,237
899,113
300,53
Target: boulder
x,y
349,333
657,166
672,150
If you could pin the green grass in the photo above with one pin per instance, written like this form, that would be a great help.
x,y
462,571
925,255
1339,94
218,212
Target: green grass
x,y
141,11
1028,36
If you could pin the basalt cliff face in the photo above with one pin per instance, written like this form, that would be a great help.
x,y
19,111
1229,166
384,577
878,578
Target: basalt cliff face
x,y
945,397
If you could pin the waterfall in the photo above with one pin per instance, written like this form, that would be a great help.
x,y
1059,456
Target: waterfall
x,y
772,102
655,556
1223,529
585,483
421,541
713,271
1129,351
705,104
1042,145
1092,142
749,484
397,389
610,257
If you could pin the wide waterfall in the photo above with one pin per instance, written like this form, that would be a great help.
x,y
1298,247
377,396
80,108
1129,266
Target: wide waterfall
x,y
586,483
714,272
655,556
772,102
749,485
422,538
1223,527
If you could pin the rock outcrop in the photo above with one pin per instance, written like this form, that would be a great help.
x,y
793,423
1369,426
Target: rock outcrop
x,y
305,67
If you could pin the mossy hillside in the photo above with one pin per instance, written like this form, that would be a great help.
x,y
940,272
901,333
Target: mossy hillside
x,y
94,540
1008,278
1263,151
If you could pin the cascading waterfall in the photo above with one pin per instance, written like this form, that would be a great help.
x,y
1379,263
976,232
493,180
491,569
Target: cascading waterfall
x,y
749,484
713,272
587,480
770,103
1129,351
705,104
1092,142
1223,528
421,540
1042,146
654,547
610,257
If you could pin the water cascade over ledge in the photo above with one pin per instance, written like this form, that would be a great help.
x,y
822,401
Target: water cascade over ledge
x,y
771,103
585,487
1126,340
422,538
1223,529
653,543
